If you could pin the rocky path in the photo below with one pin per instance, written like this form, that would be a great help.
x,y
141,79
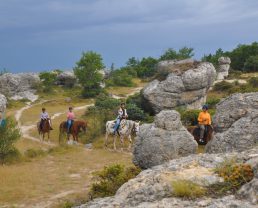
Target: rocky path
x,y
25,129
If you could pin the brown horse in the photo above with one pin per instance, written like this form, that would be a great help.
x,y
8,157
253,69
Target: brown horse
x,y
195,131
45,129
76,128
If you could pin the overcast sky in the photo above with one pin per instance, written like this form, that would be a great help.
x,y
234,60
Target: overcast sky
x,y
40,35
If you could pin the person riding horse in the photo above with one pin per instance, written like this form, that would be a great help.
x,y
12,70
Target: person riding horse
x,y
204,119
122,114
44,117
70,119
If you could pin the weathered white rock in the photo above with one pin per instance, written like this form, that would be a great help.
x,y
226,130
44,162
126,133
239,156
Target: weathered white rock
x,y
152,187
67,79
224,66
3,103
19,86
186,85
162,141
235,123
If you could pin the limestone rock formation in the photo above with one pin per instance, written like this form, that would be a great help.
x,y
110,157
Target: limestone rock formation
x,y
66,79
3,103
152,187
224,66
186,85
19,86
235,122
163,140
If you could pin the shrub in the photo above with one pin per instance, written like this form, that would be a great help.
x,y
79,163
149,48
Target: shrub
x,y
9,135
32,153
187,189
223,86
91,91
135,113
253,82
47,79
189,117
120,78
212,102
106,102
110,179
234,174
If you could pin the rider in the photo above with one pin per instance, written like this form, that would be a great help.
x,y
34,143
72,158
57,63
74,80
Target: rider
x,y
204,119
44,117
70,119
122,114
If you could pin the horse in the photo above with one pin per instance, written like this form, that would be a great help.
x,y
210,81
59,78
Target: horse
x,y
195,131
45,129
76,128
126,129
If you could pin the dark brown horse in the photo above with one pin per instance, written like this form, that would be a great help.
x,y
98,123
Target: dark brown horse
x,y
195,131
44,130
76,128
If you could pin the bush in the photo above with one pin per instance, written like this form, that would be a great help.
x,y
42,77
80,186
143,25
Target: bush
x,y
32,153
135,113
189,117
234,174
48,80
253,82
120,78
109,180
187,189
106,102
212,102
92,91
223,86
9,135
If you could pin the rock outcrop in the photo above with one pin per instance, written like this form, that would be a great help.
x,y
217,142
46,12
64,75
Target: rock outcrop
x,y
185,85
152,187
3,103
235,122
224,66
19,86
66,79
162,141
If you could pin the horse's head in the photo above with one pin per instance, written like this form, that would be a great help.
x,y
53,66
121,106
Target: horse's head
x,y
83,126
136,126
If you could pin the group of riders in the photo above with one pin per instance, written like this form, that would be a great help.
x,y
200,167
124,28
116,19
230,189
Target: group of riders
x,y
204,119
44,116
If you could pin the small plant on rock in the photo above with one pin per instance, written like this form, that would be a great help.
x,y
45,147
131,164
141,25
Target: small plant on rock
x,y
110,179
187,189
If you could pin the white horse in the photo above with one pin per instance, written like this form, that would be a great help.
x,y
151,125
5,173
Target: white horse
x,y
126,129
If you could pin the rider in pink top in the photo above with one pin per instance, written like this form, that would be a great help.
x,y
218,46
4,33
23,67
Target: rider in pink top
x,y
70,119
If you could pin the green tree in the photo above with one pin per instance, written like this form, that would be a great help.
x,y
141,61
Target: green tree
x,y
214,58
183,53
241,54
87,70
9,135
48,80
251,64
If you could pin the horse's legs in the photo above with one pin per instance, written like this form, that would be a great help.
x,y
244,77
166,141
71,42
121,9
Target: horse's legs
x,y
48,136
114,142
130,141
106,140
122,142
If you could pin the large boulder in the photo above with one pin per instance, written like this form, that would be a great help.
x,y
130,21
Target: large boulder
x,y
235,122
185,85
223,69
163,140
3,103
153,187
19,86
67,79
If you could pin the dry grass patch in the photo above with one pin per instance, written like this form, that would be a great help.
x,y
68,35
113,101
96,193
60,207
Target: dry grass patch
x,y
187,189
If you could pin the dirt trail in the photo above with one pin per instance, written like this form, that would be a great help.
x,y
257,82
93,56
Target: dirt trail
x,y
25,129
